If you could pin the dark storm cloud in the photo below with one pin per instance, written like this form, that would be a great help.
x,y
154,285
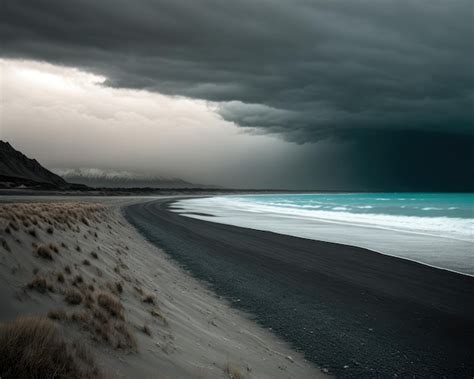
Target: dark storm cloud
x,y
307,70
358,71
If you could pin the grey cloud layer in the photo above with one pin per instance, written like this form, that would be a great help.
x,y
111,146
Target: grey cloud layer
x,y
308,70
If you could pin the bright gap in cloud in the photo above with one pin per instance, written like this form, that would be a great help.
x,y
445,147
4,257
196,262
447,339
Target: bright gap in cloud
x,y
67,118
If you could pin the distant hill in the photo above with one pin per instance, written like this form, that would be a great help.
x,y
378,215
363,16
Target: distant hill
x,y
16,169
98,178
19,171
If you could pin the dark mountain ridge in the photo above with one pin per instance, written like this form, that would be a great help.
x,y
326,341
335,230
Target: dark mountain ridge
x,y
17,169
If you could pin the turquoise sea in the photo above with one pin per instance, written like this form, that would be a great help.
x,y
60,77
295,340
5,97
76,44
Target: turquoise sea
x,y
431,228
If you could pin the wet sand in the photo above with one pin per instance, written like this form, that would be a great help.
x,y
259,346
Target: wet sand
x,y
350,310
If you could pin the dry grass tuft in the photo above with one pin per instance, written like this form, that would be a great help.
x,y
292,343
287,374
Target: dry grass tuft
x,y
104,328
124,338
89,301
233,372
32,232
32,347
158,314
119,287
5,245
53,247
81,317
111,304
60,277
43,251
77,280
13,226
57,314
40,284
73,296
149,298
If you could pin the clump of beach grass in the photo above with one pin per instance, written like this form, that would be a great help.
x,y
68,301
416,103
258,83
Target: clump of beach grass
x,y
148,298
57,314
233,372
33,347
40,284
73,296
111,304
43,251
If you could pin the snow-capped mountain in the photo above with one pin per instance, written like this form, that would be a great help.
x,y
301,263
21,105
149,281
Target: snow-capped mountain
x,y
94,177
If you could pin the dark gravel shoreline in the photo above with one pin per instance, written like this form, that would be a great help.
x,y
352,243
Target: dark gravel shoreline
x,y
350,310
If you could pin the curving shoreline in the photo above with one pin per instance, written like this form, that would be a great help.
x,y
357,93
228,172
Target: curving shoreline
x,y
348,309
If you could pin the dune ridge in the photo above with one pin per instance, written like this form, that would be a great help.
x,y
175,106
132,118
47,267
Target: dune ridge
x,y
80,272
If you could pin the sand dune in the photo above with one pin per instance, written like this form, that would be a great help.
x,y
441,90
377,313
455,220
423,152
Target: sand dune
x,y
99,288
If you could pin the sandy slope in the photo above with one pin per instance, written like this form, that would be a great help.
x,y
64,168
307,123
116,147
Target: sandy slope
x,y
193,333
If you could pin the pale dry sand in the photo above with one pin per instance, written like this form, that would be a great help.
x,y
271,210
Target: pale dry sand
x,y
193,334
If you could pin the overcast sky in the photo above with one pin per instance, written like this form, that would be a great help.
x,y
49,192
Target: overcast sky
x,y
362,95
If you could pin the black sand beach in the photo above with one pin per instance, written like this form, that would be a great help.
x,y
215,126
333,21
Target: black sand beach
x,y
350,310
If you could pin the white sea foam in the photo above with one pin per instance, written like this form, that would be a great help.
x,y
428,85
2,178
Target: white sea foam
x,y
444,242
456,228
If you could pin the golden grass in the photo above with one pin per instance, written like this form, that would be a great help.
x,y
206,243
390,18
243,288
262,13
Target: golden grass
x,y
43,251
104,328
33,347
158,314
148,298
101,314
57,314
111,304
233,372
53,247
13,226
73,296
40,284
124,338
55,215
115,287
